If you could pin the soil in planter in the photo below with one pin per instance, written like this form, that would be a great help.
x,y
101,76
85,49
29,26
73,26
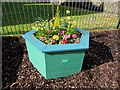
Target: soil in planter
x,y
100,66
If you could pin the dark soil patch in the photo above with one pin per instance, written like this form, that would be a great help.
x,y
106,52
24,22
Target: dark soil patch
x,y
12,55
100,66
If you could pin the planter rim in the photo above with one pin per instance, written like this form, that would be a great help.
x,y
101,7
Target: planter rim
x,y
83,45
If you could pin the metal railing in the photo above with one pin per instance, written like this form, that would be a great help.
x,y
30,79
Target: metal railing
x,y
19,17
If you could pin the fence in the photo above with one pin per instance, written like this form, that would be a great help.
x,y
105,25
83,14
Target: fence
x,y
19,17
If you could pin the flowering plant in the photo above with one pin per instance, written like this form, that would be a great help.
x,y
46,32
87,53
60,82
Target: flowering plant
x,y
57,30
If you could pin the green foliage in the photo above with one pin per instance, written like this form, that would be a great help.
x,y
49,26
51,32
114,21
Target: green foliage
x,y
57,30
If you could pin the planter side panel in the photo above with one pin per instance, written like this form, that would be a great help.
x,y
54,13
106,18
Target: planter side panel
x,y
63,63
36,57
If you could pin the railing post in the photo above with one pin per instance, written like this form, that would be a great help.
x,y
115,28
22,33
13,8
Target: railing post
x,y
52,9
118,24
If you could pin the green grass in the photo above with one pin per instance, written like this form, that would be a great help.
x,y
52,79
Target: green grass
x,y
20,17
97,21
16,29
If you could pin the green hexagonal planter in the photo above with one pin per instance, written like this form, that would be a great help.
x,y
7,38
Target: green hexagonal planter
x,y
53,61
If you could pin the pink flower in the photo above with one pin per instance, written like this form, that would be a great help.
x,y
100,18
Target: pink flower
x,y
42,38
66,36
74,35
53,41
62,32
49,31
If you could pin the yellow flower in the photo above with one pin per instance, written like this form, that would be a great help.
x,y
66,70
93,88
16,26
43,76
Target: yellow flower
x,y
74,23
37,28
56,37
72,26
51,24
33,27
53,18
67,11
42,34
41,29
68,18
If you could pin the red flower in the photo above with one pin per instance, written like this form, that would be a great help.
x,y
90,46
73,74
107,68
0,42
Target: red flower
x,y
49,31
64,41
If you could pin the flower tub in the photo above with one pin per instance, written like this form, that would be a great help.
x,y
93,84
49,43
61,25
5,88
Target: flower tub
x,y
53,61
